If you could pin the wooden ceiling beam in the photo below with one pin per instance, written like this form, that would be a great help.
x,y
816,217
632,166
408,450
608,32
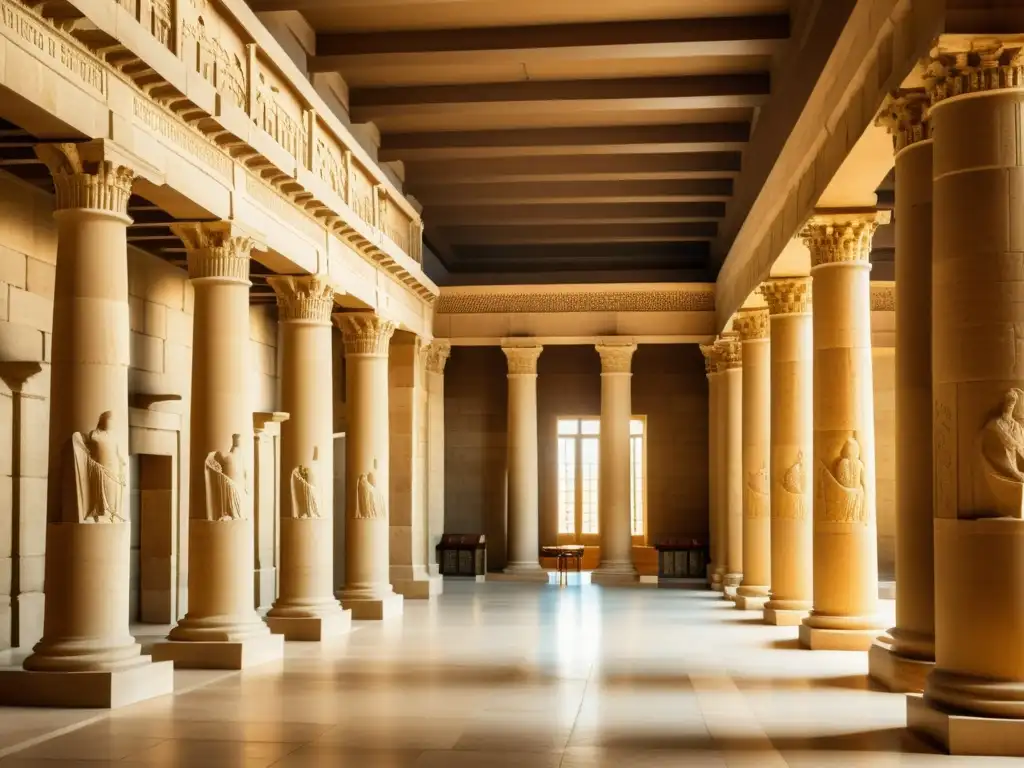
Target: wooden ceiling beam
x,y
436,196
548,257
608,213
478,235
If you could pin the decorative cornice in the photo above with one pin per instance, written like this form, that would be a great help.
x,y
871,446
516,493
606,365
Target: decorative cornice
x,y
216,251
905,116
787,295
365,333
683,299
963,64
729,351
522,361
883,298
98,186
842,237
436,354
752,324
616,358
303,298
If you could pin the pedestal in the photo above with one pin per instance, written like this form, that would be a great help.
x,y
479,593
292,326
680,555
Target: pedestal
x,y
624,577
897,673
419,588
312,629
86,690
373,608
530,575
782,617
824,639
961,734
750,602
221,654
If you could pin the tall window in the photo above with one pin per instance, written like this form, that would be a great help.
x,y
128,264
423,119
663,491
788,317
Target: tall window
x,y
578,470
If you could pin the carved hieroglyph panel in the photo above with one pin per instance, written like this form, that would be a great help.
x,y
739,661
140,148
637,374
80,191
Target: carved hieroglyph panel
x,y
362,194
214,48
279,112
329,161
157,16
395,224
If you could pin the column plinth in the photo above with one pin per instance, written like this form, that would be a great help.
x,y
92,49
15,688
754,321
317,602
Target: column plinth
x,y
86,636
753,327
221,629
973,700
367,591
306,608
792,449
614,509
845,613
716,569
523,484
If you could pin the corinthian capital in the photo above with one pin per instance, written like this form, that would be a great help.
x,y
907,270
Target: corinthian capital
x,y
522,360
710,352
303,298
962,64
365,333
729,351
842,236
905,116
81,182
616,358
217,250
436,353
751,324
787,295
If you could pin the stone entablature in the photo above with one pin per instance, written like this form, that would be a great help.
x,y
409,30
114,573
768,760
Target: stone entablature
x,y
695,297
202,90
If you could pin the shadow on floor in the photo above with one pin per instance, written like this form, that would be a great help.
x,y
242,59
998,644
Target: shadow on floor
x,y
892,740
789,644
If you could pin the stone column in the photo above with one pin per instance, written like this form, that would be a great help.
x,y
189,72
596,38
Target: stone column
x,y
266,505
523,485
614,477
715,568
974,697
221,629
902,660
752,325
367,591
845,614
86,582
306,608
792,450
731,453
437,355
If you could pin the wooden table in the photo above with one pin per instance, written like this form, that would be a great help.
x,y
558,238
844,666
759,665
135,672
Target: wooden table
x,y
565,555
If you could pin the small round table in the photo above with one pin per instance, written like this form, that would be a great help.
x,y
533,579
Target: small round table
x,y
565,556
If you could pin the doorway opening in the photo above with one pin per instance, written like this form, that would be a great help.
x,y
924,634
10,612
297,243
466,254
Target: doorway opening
x,y
152,554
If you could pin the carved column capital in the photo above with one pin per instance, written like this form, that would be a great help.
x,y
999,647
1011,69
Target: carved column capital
x,y
788,295
82,183
365,333
522,361
710,352
842,237
303,298
905,115
616,358
729,351
751,324
437,353
962,64
217,251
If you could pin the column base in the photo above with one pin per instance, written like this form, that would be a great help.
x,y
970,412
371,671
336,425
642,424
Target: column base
x,y
818,639
781,617
312,629
418,589
965,734
718,586
538,576
751,602
897,673
615,574
86,690
374,608
217,654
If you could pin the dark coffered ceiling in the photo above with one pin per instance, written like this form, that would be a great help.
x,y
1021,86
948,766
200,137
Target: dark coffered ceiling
x,y
558,135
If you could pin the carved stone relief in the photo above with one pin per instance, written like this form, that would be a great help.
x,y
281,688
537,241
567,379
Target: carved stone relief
x,y
155,15
758,500
278,113
840,494
214,51
1001,445
226,483
370,502
789,491
329,166
98,474
306,490
945,502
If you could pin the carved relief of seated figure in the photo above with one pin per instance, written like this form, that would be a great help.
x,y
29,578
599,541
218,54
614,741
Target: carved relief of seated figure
x,y
1002,452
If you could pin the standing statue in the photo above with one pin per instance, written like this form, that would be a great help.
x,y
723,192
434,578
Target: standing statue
x,y
99,470
841,491
1001,445
305,492
226,483
370,502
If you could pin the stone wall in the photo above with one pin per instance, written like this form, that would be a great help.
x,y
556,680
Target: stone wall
x,y
884,362
160,309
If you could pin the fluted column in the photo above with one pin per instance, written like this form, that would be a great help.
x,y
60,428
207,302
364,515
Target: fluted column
x,y
902,660
437,354
716,569
731,453
523,485
306,608
367,593
753,325
845,614
86,581
614,476
977,96
221,629
792,450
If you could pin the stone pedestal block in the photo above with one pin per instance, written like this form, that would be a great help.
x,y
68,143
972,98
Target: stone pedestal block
x,y
897,673
87,690
820,639
222,654
961,734
312,629
781,617
751,602
374,608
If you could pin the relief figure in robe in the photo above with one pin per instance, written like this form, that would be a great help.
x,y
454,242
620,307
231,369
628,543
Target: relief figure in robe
x,y
1001,446
841,492
226,481
790,491
305,489
370,503
99,473
757,494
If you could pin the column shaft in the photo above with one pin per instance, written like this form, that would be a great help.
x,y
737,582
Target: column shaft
x,y
523,483
714,542
731,470
437,356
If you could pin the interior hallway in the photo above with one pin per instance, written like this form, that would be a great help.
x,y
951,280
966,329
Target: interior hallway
x,y
509,675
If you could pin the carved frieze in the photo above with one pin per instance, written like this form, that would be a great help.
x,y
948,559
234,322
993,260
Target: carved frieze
x,y
303,298
155,15
436,354
329,164
905,116
80,183
752,324
962,64
683,299
167,125
213,49
616,358
365,333
843,237
279,113
522,361
787,296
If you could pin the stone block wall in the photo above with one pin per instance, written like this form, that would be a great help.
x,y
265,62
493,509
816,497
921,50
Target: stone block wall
x,y
884,374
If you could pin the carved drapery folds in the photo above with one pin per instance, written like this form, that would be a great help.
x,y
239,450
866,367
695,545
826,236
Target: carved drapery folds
x,y
83,183
227,481
522,361
304,298
758,501
905,116
216,250
788,296
752,324
788,492
840,492
843,237
616,358
94,475
436,354
370,502
1001,449
963,64
365,333
305,490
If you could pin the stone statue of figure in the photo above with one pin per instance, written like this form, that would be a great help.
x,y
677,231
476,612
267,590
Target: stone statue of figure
x,y
841,491
1002,451
305,490
226,481
99,469
758,498
370,503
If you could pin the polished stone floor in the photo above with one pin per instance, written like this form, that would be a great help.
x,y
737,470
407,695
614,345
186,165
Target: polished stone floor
x,y
508,675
